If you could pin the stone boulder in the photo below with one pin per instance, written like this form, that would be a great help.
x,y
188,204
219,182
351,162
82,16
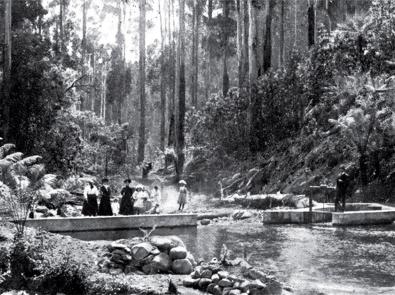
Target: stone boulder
x,y
182,267
41,209
161,262
55,198
69,211
76,199
116,245
241,215
204,283
205,221
141,251
191,259
165,243
296,201
162,243
178,253
190,282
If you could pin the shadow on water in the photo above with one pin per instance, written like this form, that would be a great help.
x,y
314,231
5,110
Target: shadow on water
x,y
312,259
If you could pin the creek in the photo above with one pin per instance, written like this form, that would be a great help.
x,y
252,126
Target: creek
x,y
317,259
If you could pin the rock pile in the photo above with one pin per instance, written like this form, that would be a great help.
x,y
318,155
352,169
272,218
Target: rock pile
x,y
214,280
156,255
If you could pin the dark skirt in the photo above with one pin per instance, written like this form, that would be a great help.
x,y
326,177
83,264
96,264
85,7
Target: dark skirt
x,y
126,206
90,207
105,206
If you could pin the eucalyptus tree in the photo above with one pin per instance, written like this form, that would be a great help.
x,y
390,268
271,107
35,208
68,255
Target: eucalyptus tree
x,y
7,49
142,94
180,103
162,22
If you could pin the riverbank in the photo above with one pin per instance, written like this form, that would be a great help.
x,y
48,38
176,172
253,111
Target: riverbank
x,y
71,266
63,264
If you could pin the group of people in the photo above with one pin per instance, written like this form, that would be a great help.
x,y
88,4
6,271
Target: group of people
x,y
134,200
90,206
138,200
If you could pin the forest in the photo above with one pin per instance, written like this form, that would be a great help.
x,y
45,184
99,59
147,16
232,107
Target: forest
x,y
203,89
230,147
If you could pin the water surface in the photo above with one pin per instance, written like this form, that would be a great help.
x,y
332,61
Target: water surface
x,y
318,259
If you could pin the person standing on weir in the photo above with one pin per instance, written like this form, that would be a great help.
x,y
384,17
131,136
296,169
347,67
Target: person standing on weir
x,y
126,207
342,184
183,194
90,206
105,208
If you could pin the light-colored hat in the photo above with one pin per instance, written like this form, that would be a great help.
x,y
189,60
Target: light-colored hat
x,y
182,182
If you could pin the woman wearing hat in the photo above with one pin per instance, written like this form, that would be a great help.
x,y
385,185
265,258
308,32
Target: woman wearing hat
x,y
182,196
105,200
90,207
126,205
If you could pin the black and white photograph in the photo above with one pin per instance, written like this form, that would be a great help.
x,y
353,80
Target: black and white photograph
x,y
191,147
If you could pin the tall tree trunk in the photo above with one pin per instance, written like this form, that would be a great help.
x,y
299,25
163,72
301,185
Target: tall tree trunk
x,y
192,87
118,106
295,23
141,146
83,50
162,84
7,68
195,84
92,90
180,113
61,30
282,33
311,23
267,46
254,107
245,49
172,74
209,49
253,42
242,40
240,57
225,75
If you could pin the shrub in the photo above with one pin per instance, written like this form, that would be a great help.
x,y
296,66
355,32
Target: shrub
x,y
220,123
50,264
104,284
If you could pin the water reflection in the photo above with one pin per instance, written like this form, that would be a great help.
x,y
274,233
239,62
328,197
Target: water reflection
x,y
313,259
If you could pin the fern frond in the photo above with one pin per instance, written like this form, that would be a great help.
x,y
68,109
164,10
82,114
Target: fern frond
x,y
14,157
5,149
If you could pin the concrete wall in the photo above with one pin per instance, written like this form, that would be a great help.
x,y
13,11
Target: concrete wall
x,y
293,216
75,224
363,217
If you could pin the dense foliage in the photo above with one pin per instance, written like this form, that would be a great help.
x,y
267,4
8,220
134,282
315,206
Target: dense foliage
x,y
341,93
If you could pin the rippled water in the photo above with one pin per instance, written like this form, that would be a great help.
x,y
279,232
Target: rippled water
x,y
318,259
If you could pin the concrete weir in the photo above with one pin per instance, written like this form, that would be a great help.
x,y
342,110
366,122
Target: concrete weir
x,y
295,216
355,214
363,217
100,223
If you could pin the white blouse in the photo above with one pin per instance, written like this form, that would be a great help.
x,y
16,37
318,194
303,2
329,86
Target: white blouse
x,y
90,191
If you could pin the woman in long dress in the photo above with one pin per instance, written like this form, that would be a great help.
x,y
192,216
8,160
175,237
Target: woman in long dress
x,y
90,206
127,201
105,200
182,195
